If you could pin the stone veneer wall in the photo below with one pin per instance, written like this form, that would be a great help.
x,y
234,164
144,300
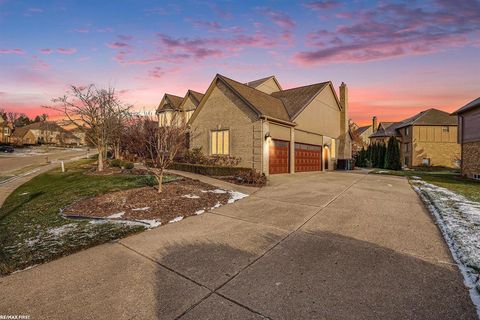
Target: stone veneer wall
x,y
471,158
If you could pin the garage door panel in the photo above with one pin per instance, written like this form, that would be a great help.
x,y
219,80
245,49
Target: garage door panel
x,y
307,157
278,157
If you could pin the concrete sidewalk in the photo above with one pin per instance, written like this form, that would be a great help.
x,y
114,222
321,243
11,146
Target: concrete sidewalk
x,y
308,246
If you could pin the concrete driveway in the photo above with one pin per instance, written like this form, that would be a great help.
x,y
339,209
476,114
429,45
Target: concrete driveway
x,y
309,246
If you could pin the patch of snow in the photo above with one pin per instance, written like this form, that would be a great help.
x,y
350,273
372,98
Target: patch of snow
x,y
60,231
177,219
151,223
32,241
141,209
199,212
24,193
383,171
459,221
190,196
97,221
116,215
416,178
217,191
235,195
218,204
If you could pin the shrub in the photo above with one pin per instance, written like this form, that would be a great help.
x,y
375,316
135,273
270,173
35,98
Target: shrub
x,y
208,170
251,177
392,156
196,156
128,165
117,163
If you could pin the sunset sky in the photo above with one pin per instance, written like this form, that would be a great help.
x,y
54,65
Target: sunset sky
x,y
397,57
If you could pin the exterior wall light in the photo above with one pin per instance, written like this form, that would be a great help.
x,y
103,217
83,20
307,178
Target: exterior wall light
x,y
268,136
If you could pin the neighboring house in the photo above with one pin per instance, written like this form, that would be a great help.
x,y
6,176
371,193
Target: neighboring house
x,y
273,130
364,134
45,132
469,138
384,131
6,130
171,103
426,139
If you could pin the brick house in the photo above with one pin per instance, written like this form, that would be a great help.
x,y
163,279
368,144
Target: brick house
x,y
44,132
270,129
469,138
429,138
6,130
171,103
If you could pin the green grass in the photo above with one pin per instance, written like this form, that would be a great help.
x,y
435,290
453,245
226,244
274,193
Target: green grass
x,y
443,178
30,220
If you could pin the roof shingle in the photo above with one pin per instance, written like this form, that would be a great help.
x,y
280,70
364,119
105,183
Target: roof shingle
x,y
296,99
264,103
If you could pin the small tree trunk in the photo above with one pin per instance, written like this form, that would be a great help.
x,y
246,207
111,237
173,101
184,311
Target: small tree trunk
x,y
100,159
160,181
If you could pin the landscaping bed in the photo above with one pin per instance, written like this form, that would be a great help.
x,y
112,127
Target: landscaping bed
x,y
178,199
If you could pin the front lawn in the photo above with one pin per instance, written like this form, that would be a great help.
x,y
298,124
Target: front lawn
x,y
33,232
443,178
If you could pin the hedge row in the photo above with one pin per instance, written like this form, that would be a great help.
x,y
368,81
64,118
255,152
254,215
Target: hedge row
x,y
208,170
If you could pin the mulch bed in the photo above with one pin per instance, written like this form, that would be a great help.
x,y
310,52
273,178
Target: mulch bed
x,y
183,197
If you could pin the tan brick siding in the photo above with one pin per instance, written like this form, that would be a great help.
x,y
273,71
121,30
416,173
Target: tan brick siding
x,y
432,142
443,154
471,158
224,110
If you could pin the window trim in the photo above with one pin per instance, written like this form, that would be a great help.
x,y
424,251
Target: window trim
x,y
223,143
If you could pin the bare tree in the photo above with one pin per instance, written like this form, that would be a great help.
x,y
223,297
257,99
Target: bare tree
x,y
157,145
94,112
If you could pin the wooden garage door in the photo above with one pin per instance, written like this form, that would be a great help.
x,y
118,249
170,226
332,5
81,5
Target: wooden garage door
x,y
278,156
308,157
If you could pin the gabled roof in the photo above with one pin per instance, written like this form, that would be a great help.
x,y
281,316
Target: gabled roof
x,y
296,99
430,117
361,130
197,95
263,103
256,83
20,132
44,125
386,129
173,100
469,106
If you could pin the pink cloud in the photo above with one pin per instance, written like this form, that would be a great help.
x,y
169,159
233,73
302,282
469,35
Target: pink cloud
x,y
282,20
81,30
322,5
118,45
12,51
66,50
46,51
40,65
393,30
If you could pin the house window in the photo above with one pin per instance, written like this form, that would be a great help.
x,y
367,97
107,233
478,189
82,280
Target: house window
x,y
407,131
220,142
426,162
446,129
407,147
476,176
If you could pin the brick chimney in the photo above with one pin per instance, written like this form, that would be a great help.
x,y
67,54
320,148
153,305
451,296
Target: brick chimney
x,y
374,124
343,91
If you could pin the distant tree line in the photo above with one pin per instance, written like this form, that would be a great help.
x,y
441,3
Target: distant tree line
x,y
379,155
19,119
